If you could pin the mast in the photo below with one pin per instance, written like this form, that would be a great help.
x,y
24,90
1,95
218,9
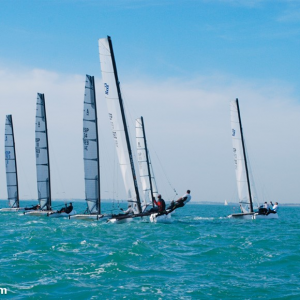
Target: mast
x,y
98,157
42,153
125,125
91,148
244,153
10,143
147,160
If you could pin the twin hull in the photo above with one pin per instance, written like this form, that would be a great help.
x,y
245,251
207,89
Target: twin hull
x,y
251,216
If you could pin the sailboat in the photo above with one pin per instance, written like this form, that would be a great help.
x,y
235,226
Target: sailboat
x,y
11,168
225,203
90,153
146,173
42,159
118,122
245,192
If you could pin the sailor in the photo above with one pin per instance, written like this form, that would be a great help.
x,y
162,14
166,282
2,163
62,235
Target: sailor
x,y
35,207
62,209
69,208
160,203
128,211
182,201
274,209
264,208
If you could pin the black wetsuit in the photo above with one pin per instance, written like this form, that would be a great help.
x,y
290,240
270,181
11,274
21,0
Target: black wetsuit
x,y
36,207
69,209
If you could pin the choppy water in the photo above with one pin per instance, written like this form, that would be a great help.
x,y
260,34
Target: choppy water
x,y
200,255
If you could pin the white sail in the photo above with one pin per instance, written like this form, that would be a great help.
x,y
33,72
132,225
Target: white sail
x,y
11,164
153,180
239,159
42,154
225,203
146,173
118,121
91,148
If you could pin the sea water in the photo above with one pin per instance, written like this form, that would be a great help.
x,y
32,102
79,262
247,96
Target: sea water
x,y
200,255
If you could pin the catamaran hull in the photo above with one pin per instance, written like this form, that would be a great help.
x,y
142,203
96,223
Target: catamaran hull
x,y
247,216
120,221
10,209
252,216
160,219
38,213
89,217
263,217
61,215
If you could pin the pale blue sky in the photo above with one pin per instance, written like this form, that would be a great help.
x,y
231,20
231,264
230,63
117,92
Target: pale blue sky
x,y
249,39
180,64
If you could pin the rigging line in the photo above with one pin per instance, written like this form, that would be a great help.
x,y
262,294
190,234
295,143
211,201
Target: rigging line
x,y
56,166
129,108
27,184
114,183
103,152
252,183
166,175
130,121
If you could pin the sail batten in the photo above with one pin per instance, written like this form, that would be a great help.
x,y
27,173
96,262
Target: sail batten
x,y
91,148
11,164
42,155
118,122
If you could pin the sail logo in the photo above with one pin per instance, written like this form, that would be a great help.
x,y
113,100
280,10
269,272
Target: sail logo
x,y
233,132
3,291
106,86
7,154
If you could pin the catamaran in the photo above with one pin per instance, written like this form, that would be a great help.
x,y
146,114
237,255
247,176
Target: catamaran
x,y
146,173
42,159
118,122
244,184
91,154
11,168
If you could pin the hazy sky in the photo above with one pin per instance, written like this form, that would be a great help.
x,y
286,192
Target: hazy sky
x,y
180,64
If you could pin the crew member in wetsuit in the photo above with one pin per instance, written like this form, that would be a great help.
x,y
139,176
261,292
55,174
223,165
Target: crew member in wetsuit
x,y
154,209
35,207
62,209
69,208
160,203
182,201
66,209
128,211
274,209
263,209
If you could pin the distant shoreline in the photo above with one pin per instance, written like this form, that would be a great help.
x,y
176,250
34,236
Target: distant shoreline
x,y
125,201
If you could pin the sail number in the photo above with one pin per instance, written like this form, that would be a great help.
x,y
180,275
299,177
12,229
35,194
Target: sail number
x,y
235,157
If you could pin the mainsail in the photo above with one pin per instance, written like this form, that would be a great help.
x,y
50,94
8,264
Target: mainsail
x,y
144,163
118,121
91,148
11,164
240,160
42,154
